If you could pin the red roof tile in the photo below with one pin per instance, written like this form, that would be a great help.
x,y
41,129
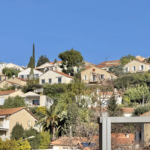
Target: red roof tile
x,y
63,74
57,62
11,111
6,92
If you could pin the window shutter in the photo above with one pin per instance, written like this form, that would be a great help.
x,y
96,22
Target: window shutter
x,y
132,68
128,68
139,67
86,77
143,66
83,77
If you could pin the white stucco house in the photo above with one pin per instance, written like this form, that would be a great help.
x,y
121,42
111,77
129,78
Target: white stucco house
x,y
52,77
25,73
33,99
10,65
49,66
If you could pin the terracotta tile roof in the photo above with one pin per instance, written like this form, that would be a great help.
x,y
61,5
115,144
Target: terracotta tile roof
x,y
107,65
63,74
57,62
65,141
1,74
113,61
59,73
6,92
128,110
11,111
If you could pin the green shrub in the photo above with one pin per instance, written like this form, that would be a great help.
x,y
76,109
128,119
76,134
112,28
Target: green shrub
x,y
14,102
141,110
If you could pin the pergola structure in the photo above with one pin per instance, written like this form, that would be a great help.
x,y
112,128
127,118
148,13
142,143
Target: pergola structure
x,y
105,128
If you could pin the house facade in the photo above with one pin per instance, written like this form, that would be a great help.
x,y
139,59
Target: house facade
x,y
9,117
11,65
25,73
5,94
13,82
33,99
136,66
94,75
49,66
52,77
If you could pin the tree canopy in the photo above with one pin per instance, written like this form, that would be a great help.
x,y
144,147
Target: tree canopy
x,y
71,58
14,102
9,72
126,59
117,70
42,60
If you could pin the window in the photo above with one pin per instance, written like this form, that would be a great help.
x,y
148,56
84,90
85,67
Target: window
x,y
50,80
27,76
102,76
126,69
77,69
142,67
36,76
112,77
85,77
22,76
36,102
43,81
134,68
29,123
0,78
2,99
59,80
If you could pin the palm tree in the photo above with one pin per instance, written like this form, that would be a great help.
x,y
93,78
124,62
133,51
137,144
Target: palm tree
x,y
50,121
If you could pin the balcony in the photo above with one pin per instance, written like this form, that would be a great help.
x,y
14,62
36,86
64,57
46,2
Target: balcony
x,y
4,126
93,81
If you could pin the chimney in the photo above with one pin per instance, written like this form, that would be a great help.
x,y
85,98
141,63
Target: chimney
x,y
69,74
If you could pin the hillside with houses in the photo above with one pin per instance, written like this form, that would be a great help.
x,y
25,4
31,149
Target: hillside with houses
x,y
55,105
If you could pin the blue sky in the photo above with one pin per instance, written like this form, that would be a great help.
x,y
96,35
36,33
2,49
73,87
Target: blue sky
x,y
98,29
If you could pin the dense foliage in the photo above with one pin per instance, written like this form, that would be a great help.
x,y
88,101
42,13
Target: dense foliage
x,y
54,89
14,102
17,131
9,72
42,60
141,109
7,88
132,80
126,59
117,70
12,144
31,87
39,112
137,94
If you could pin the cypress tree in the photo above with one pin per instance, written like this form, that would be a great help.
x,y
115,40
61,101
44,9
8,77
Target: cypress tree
x,y
17,131
113,108
55,61
33,63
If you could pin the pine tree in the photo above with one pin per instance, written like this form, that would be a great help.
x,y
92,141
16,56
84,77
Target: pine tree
x,y
113,108
17,132
55,61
